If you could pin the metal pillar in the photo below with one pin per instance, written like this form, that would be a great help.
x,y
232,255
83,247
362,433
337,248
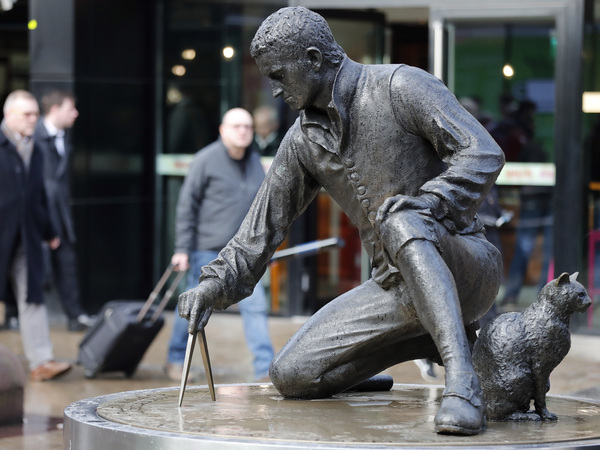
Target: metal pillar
x,y
51,45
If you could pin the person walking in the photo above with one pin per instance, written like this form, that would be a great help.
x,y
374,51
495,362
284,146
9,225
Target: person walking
x,y
25,223
216,195
267,135
53,138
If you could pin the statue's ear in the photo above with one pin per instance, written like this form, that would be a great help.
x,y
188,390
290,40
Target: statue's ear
x,y
574,276
563,279
315,57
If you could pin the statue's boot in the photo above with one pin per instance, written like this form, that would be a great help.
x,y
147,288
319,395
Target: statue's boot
x,y
462,410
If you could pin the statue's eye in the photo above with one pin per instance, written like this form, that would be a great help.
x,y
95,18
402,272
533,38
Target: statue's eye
x,y
278,75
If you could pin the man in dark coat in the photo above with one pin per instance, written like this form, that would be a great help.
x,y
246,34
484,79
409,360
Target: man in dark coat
x,y
24,225
53,138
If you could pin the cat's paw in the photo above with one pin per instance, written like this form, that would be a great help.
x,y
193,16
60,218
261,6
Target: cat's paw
x,y
547,415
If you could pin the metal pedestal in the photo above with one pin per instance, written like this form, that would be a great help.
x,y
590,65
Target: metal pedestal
x,y
248,416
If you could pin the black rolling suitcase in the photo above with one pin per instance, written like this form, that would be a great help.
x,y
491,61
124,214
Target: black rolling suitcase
x,y
124,331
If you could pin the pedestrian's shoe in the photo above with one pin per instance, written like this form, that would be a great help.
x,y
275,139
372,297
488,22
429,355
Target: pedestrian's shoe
x,y
74,325
49,370
427,370
174,371
81,323
86,320
11,323
462,410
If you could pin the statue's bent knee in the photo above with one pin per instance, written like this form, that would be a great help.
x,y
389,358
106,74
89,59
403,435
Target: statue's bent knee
x,y
292,381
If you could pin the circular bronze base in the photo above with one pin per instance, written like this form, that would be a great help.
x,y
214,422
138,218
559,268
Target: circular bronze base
x,y
256,416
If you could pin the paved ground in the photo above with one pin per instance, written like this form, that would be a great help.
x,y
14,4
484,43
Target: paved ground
x,y
578,375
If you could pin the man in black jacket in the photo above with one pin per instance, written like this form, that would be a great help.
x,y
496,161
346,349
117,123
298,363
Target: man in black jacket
x,y
53,138
24,226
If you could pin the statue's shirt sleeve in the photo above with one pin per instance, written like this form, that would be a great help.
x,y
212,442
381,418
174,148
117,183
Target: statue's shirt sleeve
x,y
428,109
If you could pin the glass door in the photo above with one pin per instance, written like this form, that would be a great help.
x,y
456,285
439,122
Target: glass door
x,y
508,68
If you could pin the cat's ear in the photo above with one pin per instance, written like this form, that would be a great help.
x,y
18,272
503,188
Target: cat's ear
x,y
574,276
563,279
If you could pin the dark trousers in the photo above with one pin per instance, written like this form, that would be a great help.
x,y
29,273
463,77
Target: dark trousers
x,y
64,273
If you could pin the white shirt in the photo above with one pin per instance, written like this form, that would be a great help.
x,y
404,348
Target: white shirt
x,y
59,137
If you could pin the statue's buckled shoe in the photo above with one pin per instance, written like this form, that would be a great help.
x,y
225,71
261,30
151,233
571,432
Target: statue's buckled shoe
x,y
464,392
462,409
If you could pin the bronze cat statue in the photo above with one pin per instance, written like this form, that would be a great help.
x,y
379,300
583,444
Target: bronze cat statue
x,y
516,352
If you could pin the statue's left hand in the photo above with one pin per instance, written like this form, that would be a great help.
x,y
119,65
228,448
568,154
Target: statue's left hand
x,y
403,202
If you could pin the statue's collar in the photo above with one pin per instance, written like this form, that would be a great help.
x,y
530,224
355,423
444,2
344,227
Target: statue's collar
x,y
345,83
342,95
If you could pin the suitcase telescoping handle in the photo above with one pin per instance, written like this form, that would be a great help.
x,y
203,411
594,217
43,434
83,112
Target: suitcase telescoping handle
x,y
156,291
168,295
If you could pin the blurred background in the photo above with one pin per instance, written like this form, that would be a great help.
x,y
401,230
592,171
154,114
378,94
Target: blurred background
x,y
153,77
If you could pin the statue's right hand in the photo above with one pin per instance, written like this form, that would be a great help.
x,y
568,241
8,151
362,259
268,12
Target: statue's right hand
x,y
196,305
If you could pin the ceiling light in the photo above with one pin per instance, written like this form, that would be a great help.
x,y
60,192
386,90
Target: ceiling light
x,y
228,52
178,70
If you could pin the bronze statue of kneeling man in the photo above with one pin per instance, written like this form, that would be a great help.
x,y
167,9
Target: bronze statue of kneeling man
x,y
410,167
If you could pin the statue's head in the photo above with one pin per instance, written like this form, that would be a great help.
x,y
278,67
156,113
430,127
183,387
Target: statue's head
x,y
295,49
290,31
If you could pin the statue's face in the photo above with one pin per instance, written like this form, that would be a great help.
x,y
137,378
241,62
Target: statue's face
x,y
292,78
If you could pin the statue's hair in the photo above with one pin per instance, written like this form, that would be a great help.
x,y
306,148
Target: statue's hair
x,y
296,28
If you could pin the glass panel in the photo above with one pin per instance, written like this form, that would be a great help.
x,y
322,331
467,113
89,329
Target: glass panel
x,y
504,74
360,39
592,145
207,68
111,205
14,50
113,141
501,66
